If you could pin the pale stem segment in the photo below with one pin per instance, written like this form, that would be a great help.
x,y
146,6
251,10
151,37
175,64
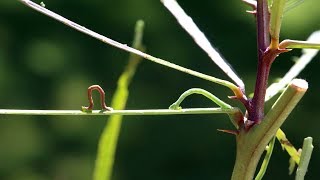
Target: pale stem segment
x,y
125,47
307,149
188,24
142,112
292,44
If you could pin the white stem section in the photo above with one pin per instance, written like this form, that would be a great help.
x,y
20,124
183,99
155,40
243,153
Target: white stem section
x,y
187,23
306,57
121,112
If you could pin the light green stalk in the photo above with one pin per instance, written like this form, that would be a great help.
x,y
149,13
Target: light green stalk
x,y
215,99
307,149
108,141
291,44
140,112
236,118
129,49
266,160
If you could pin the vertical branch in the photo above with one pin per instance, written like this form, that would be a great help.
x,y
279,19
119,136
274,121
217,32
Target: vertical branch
x,y
256,112
265,58
263,37
307,149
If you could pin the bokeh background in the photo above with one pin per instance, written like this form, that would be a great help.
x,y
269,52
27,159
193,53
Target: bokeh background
x,y
46,65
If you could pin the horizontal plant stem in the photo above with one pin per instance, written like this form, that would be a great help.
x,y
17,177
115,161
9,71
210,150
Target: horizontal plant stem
x,y
121,112
125,47
290,44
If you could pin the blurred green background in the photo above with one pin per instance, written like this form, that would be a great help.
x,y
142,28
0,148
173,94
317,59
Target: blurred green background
x,y
46,65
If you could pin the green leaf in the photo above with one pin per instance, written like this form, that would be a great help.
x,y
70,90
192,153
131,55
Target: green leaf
x,y
109,138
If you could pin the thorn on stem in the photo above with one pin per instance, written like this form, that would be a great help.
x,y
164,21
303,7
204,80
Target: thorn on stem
x,y
104,107
253,12
233,132
233,97
251,3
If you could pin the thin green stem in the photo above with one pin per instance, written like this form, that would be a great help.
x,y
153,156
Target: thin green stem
x,y
215,99
307,149
125,47
236,118
143,112
291,44
264,166
108,141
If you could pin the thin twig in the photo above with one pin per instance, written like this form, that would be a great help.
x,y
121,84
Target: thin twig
x,y
120,112
266,160
219,102
125,47
291,44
